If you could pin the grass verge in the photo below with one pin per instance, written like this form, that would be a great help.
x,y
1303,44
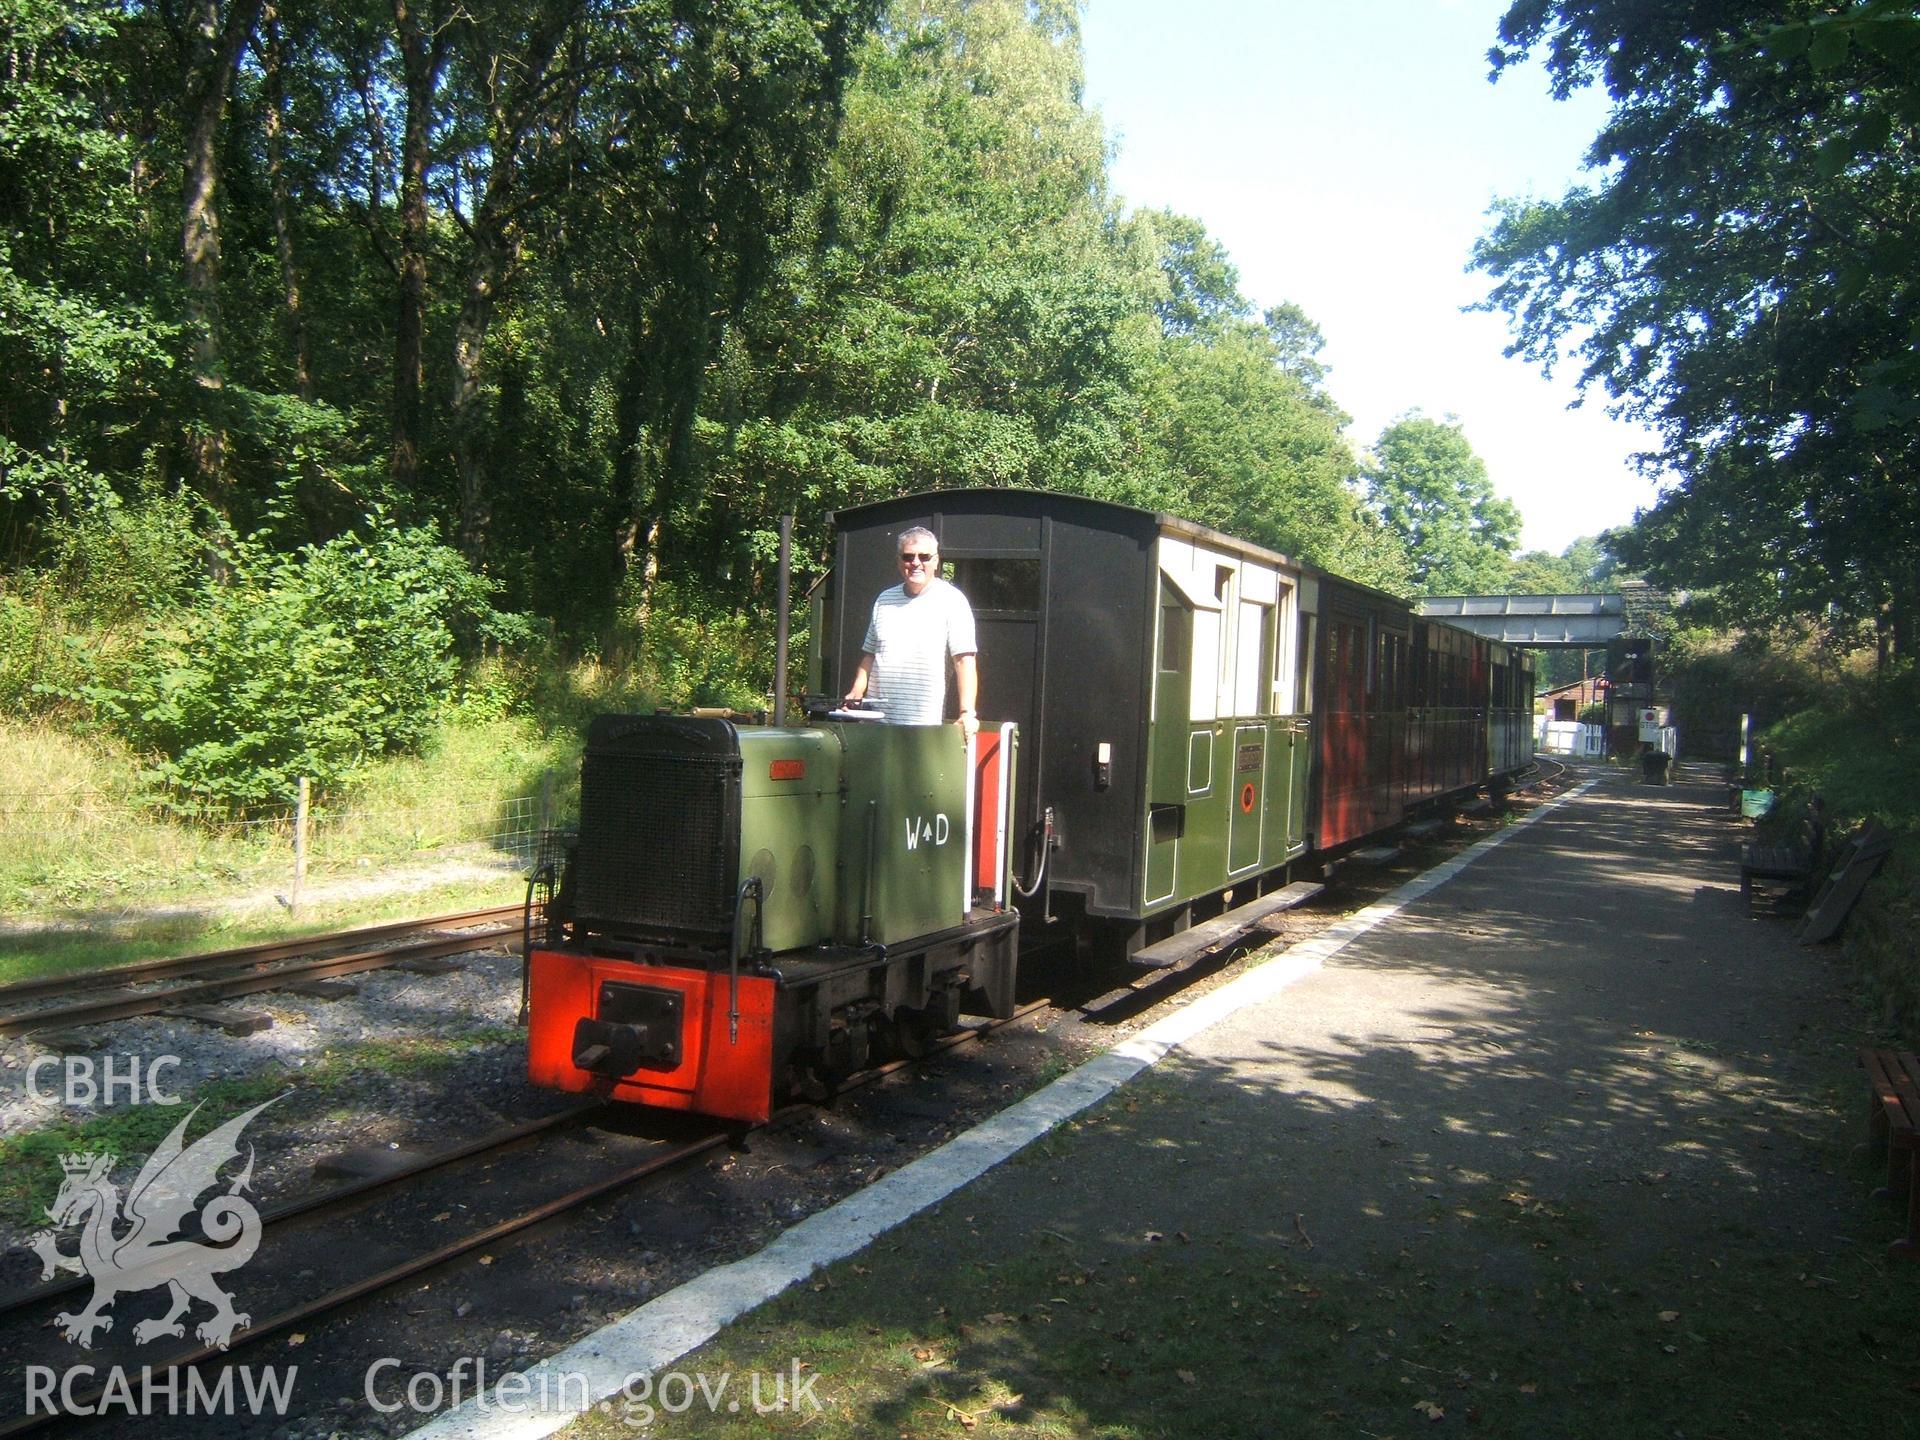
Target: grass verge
x,y
75,835
90,878
103,942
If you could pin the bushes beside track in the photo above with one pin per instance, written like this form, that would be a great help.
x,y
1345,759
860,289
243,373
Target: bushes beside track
x,y
1857,748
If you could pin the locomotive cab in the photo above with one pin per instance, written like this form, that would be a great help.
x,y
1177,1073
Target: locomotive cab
x,y
750,908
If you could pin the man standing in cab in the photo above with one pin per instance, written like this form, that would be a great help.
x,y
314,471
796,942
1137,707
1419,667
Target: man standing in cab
x,y
918,627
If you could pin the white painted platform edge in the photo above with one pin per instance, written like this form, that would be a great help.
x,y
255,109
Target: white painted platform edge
x,y
652,1337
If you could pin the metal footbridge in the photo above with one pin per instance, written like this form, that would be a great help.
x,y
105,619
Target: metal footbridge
x,y
1548,622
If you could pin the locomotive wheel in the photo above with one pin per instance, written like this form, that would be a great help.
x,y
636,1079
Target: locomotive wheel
x,y
809,1084
914,1033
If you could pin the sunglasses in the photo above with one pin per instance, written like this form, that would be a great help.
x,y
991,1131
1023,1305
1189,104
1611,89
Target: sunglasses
x,y
909,555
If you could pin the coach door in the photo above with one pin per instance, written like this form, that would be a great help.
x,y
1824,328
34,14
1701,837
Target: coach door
x,y
1168,747
1004,591
1388,727
1005,594
1254,629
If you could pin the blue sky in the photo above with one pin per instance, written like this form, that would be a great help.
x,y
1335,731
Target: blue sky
x,y
1346,156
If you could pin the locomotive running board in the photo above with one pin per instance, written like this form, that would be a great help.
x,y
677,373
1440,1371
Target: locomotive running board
x,y
1184,945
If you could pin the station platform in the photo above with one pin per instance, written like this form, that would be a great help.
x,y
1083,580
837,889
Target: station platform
x,y
1514,1147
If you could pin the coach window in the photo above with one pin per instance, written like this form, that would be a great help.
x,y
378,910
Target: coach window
x,y
1005,585
1227,653
1176,632
1208,664
1285,654
1253,670
1389,697
1303,670
1198,629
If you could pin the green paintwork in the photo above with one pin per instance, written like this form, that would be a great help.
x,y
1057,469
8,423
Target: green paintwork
x,y
806,836
1163,851
1284,815
1208,842
1203,848
1246,785
1166,750
789,831
907,799
1302,767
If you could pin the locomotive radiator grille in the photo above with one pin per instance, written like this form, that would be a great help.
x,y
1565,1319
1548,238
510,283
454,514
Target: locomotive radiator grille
x,y
659,832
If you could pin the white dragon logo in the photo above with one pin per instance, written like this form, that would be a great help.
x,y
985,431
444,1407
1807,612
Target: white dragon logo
x,y
147,1255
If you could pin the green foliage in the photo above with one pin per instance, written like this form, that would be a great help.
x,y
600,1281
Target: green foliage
x,y
695,653
956,307
103,577
81,342
1249,448
1583,568
21,661
1203,287
1430,489
122,563
1716,678
310,664
1738,275
1856,748
1297,343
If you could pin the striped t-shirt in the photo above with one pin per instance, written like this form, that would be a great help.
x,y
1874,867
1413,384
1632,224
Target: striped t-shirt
x,y
913,639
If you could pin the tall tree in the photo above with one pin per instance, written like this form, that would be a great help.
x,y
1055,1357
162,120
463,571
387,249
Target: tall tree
x,y
719,139
1203,285
1583,568
525,97
1297,342
212,44
1738,275
424,35
1430,488
958,305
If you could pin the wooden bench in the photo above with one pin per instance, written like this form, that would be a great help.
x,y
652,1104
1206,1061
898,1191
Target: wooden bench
x,y
1854,864
1791,866
1893,1109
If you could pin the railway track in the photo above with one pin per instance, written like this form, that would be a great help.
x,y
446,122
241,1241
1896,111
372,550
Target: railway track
x,y
247,970
336,1196
26,1319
